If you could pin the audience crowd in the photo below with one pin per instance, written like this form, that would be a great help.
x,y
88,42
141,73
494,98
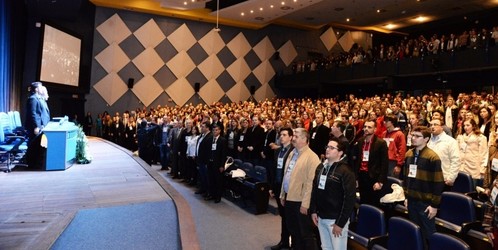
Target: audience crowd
x,y
194,141
406,48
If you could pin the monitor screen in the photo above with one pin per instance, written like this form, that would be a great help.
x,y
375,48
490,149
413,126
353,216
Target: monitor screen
x,y
60,59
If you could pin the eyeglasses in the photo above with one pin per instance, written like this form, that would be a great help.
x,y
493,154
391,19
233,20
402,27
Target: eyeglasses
x,y
331,148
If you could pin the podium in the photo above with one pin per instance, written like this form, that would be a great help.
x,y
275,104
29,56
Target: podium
x,y
61,145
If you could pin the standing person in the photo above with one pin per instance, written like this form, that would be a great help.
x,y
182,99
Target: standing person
x,y
424,182
295,194
203,152
216,165
88,124
175,149
396,145
333,197
162,137
98,125
255,138
319,136
37,117
145,138
275,178
191,166
446,148
371,163
267,153
473,151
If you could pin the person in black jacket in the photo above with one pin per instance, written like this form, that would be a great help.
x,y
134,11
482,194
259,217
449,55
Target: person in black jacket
x,y
203,153
216,165
370,165
319,136
275,178
333,196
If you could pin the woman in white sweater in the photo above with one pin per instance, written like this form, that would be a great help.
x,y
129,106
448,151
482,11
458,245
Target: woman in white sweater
x,y
473,151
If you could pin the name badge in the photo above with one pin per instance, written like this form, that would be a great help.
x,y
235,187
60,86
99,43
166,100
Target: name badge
x,y
280,163
213,146
241,138
412,171
165,129
366,155
323,180
494,165
313,136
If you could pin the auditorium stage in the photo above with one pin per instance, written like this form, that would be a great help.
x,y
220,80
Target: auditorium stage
x,y
37,206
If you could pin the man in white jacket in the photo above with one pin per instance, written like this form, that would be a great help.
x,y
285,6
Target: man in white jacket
x,y
446,148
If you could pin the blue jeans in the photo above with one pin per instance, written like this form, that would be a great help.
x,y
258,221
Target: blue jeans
x,y
164,150
329,241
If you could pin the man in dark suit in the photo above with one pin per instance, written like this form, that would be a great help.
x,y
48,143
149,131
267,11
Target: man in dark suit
x,y
216,165
371,164
175,148
255,137
203,153
37,117
319,136
267,153
275,178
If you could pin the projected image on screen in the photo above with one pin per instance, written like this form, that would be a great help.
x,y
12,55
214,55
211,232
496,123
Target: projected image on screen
x,y
60,57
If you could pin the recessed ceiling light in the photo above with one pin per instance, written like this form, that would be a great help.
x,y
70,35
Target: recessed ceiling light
x,y
421,19
271,6
381,10
185,3
347,19
261,9
242,14
390,26
252,11
283,3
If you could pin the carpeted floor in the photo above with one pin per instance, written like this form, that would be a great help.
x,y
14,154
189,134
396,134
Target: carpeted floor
x,y
152,225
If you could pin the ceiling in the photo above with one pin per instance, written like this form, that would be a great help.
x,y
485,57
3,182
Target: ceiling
x,y
376,15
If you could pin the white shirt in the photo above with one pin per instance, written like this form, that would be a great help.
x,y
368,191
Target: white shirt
x,y
446,147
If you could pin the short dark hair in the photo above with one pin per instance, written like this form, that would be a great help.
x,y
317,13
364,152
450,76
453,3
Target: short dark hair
x,y
341,145
391,118
426,132
341,125
289,130
207,124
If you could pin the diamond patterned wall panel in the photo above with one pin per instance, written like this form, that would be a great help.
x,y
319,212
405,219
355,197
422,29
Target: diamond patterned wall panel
x,y
212,42
239,46
251,80
264,49
130,71
211,92
238,92
287,53
346,41
181,65
252,59
180,91
111,88
328,38
264,72
239,70
112,58
226,81
182,39
211,68
147,90
197,54
149,35
131,47
148,62
265,91
114,30
165,77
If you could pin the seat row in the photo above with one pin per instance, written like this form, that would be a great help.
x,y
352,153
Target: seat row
x,y
12,140
251,185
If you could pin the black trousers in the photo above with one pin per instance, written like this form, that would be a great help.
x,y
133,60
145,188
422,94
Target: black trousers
x,y
367,194
300,227
215,182
284,235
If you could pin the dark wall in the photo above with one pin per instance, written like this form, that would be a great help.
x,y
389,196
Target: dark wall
x,y
76,17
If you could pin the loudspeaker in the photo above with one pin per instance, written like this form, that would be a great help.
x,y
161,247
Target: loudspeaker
x,y
197,86
276,56
131,81
252,89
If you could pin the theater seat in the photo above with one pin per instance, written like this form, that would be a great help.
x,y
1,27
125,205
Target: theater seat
x,y
371,223
456,214
440,241
478,240
402,234
463,183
